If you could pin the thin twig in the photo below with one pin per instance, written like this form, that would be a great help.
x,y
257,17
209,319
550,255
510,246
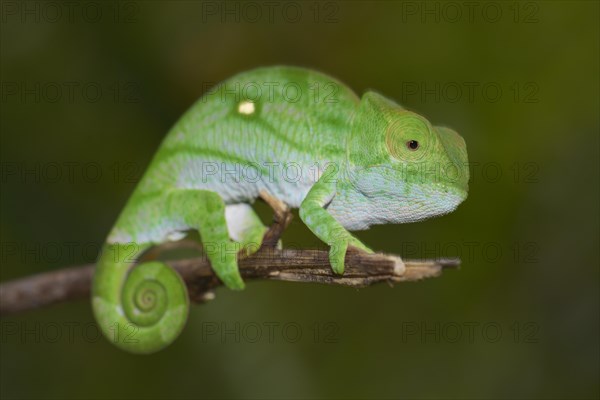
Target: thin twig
x,y
269,262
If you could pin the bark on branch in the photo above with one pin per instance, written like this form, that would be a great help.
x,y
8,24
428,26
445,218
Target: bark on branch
x,y
310,266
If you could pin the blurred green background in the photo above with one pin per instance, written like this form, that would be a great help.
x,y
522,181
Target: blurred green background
x,y
89,90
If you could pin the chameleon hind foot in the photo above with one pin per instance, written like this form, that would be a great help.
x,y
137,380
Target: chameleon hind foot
x,y
204,210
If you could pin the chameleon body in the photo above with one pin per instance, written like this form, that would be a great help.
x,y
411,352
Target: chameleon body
x,y
303,137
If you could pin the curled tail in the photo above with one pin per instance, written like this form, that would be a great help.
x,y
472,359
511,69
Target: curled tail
x,y
141,309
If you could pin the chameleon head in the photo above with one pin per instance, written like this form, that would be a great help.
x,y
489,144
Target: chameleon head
x,y
412,169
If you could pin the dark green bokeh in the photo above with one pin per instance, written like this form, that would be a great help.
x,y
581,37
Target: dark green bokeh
x,y
153,60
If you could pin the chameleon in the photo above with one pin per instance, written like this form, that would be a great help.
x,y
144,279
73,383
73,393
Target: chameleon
x,y
345,162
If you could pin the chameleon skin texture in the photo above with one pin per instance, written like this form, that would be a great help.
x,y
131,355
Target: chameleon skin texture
x,y
305,138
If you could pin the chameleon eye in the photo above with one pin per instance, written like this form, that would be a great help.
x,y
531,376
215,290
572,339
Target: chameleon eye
x,y
412,145
408,137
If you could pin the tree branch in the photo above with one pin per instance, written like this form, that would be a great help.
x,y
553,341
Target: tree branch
x,y
269,262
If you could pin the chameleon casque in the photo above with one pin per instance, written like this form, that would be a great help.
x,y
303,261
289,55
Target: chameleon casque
x,y
303,137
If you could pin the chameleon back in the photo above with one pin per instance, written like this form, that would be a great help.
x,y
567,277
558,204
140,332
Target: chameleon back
x,y
270,128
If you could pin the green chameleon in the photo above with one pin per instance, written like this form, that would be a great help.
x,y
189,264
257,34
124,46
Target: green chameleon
x,y
304,138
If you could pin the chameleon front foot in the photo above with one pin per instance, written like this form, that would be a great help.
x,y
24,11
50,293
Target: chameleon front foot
x,y
338,250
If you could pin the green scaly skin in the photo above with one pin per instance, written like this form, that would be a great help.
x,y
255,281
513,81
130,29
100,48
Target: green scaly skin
x,y
346,162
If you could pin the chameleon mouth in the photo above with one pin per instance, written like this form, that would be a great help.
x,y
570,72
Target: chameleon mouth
x,y
454,182
453,193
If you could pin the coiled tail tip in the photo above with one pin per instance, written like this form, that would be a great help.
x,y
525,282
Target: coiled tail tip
x,y
144,314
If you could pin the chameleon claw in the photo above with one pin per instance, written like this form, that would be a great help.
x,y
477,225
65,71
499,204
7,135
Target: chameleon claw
x,y
233,281
337,255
